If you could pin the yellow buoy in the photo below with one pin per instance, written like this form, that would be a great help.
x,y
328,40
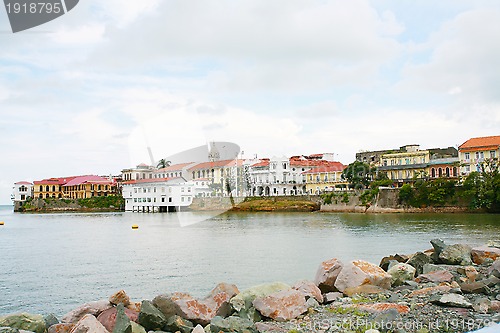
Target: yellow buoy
x,y
135,226
1,223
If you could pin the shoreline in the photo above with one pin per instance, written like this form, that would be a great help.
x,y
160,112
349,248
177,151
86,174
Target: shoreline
x,y
451,288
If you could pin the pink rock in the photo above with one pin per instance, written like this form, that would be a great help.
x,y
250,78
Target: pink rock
x,y
89,324
108,318
481,253
430,290
327,274
281,306
309,289
360,272
120,297
494,307
381,307
435,276
60,328
93,308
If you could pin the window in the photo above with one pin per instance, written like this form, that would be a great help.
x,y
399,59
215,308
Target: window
x,y
481,155
467,156
385,162
41,188
182,199
493,154
47,188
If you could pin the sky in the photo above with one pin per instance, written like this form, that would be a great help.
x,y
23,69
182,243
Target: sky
x,y
88,92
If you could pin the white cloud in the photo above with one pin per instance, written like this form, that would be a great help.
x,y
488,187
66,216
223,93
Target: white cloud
x,y
81,35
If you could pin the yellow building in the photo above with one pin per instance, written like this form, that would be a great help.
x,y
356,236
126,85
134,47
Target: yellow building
x,y
474,152
405,165
79,187
325,178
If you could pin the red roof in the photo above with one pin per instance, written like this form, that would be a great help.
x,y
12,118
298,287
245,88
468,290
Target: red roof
x,y
264,163
308,163
23,183
330,167
54,181
481,143
175,167
88,180
216,164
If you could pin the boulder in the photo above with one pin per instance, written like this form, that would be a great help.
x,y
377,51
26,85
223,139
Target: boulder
x,y
457,254
108,318
401,272
150,317
309,289
178,324
435,277
365,289
360,272
198,329
418,260
495,269
50,320
451,300
219,299
89,324
282,305
61,328
167,303
232,325
243,301
93,308
122,320
438,246
474,288
386,262
332,296
430,290
8,330
481,253
135,306
136,328
24,321
224,288
494,307
120,297
327,273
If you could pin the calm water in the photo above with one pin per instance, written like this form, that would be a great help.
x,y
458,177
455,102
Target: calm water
x,y
54,262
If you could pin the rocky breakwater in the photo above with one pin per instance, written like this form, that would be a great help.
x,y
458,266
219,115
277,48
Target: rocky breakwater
x,y
449,288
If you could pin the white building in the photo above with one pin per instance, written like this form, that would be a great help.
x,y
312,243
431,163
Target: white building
x,y
157,194
22,191
142,171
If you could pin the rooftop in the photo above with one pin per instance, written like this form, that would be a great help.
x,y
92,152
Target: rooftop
x,y
482,142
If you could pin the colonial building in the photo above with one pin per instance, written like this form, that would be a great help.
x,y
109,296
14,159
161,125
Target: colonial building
x,y
50,188
174,171
22,191
142,171
221,176
157,194
475,151
325,178
75,187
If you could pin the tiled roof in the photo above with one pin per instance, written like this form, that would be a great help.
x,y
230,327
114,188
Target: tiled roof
x,y
308,163
23,183
330,167
92,179
215,164
264,163
174,167
482,142
54,181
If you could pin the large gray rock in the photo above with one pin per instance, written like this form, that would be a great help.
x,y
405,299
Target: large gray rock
x,y
327,273
89,324
122,321
24,321
178,324
419,260
232,325
108,318
495,269
451,300
457,254
438,246
400,273
360,272
136,328
93,308
281,306
50,320
151,318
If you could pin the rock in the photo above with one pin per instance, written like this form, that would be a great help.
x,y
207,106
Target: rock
x,y
494,306
136,328
418,260
120,297
8,330
386,262
198,329
430,290
167,305
457,254
474,288
435,277
269,327
122,320
495,269
438,246
401,272
134,306
360,272
93,308
24,321
177,323
150,317
61,328
50,320
232,324
481,253
451,300
89,324
333,296
327,273
433,267
387,319
312,303
365,289
242,302
108,318
481,305
382,307
282,305
229,289
309,289
219,299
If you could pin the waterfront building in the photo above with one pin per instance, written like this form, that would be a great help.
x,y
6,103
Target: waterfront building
x,y
174,171
141,171
50,187
224,177
74,187
157,194
373,157
325,178
443,163
22,191
475,151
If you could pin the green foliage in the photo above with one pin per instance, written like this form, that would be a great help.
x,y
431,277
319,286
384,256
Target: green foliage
x,y
110,201
358,174
424,193
406,194
482,189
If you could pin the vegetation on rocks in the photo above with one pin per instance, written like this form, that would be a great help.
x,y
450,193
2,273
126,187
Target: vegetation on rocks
x,y
103,203
279,204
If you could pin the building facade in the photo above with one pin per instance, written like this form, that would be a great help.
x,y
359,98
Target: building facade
x,y
325,178
474,152
22,191
75,187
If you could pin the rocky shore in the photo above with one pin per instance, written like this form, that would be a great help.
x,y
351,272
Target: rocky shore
x,y
448,288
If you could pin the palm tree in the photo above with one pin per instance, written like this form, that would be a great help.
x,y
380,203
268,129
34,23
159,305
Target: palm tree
x,y
163,163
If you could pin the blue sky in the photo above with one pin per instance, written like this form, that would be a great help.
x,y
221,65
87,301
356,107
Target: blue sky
x,y
86,93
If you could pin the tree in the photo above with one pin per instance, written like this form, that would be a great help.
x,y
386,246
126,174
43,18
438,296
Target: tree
x,y
163,163
358,174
